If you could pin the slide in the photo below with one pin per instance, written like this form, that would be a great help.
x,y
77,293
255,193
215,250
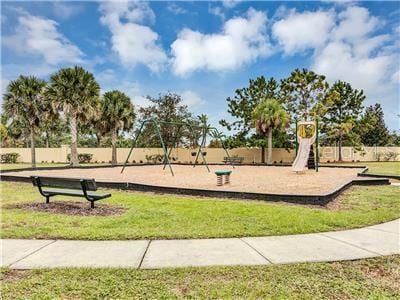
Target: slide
x,y
302,155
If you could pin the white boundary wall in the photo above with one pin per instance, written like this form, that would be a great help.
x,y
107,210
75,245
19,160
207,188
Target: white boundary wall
x,y
214,155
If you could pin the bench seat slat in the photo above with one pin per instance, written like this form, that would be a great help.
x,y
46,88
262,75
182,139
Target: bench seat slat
x,y
72,192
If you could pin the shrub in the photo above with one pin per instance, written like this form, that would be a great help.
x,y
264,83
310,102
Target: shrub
x,y
391,155
9,158
82,157
154,158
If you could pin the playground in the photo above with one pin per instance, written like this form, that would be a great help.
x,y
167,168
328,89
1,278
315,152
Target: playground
x,y
303,179
254,179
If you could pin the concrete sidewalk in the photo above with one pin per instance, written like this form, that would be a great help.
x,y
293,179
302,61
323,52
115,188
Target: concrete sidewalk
x,y
378,240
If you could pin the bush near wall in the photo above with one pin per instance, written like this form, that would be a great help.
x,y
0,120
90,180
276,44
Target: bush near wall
x,y
154,158
82,157
9,158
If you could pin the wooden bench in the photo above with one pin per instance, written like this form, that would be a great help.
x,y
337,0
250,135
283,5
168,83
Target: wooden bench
x,y
233,159
221,175
53,186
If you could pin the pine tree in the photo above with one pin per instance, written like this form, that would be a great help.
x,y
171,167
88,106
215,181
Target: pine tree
x,y
342,112
373,130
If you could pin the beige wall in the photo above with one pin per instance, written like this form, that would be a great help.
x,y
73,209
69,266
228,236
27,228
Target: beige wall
x,y
214,155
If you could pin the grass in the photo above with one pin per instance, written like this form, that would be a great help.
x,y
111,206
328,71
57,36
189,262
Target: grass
x,y
376,278
151,216
377,168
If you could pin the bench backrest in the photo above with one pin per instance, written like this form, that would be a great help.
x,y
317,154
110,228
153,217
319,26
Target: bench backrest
x,y
64,183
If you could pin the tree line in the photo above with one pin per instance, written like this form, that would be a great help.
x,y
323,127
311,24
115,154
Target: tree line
x,y
71,99
269,105
68,109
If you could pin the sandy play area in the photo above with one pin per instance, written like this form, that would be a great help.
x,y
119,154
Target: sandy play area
x,y
258,179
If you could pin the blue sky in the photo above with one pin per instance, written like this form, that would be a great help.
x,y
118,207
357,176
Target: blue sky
x,y
206,50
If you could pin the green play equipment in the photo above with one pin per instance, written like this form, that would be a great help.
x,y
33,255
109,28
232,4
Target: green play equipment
x,y
179,125
221,175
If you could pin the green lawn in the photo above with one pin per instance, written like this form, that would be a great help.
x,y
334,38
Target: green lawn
x,y
378,168
377,278
165,216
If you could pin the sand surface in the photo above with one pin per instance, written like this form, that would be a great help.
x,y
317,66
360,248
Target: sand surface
x,y
260,179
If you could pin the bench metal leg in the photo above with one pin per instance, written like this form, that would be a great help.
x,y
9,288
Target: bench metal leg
x,y
47,199
91,204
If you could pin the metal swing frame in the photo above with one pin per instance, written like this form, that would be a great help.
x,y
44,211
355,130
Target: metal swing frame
x,y
167,152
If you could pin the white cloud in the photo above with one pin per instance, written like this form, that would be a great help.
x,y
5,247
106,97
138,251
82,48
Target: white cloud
x,y
192,99
396,77
217,11
230,3
39,36
345,46
175,8
140,101
134,43
242,40
355,54
355,24
301,31
109,80
65,10
131,11
338,61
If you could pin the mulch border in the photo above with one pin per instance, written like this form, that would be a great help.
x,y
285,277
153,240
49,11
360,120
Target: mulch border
x,y
70,208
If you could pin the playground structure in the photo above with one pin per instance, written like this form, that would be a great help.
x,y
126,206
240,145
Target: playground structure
x,y
305,155
205,131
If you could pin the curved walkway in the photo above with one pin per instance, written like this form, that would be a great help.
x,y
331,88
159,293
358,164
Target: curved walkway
x,y
378,240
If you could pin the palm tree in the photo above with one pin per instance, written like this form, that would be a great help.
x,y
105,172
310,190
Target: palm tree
x,y
75,92
117,114
268,116
23,102
205,128
51,122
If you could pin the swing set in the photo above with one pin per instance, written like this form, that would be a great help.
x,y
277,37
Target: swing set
x,y
205,131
